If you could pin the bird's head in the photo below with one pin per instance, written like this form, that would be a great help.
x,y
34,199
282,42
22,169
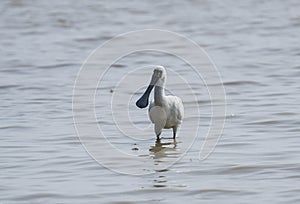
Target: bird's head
x,y
158,79
159,76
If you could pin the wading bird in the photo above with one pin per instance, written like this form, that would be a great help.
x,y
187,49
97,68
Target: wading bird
x,y
165,111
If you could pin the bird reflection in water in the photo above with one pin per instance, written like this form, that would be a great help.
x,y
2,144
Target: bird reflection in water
x,y
164,149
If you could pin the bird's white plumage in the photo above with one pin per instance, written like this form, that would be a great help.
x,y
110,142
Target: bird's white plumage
x,y
172,107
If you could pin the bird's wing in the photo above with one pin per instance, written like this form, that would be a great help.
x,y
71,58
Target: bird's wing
x,y
176,107
180,108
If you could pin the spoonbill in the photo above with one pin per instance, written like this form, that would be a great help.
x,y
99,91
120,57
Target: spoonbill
x,y
165,111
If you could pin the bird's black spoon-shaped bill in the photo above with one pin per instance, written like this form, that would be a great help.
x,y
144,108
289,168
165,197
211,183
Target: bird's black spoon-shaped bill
x,y
144,100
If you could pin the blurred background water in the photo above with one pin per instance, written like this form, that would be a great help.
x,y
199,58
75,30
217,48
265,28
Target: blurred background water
x,y
255,45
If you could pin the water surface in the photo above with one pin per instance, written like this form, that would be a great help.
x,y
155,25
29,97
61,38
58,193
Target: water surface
x,y
255,46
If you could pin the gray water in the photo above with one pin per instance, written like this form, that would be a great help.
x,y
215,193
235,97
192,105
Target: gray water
x,y
254,44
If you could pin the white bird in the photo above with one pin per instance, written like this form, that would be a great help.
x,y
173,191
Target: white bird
x,y
165,111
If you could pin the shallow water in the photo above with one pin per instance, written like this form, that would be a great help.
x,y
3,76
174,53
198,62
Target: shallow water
x,y
255,47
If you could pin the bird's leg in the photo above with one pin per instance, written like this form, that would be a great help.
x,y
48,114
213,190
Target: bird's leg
x,y
174,131
158,129
157,139
157,136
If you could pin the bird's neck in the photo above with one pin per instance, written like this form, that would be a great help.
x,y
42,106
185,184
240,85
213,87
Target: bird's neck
x,y
159,95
